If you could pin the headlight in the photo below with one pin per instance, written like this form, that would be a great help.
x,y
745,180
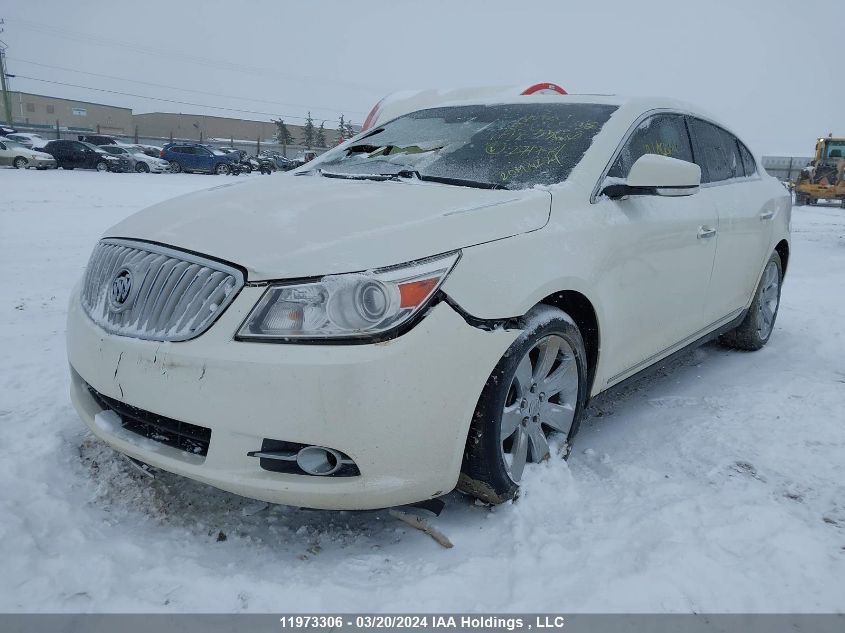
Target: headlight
x,y
347,306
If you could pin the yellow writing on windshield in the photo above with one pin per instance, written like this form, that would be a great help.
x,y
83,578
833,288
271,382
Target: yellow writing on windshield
x,y
536,141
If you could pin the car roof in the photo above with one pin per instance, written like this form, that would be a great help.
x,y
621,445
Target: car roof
x,y
630,108
628,102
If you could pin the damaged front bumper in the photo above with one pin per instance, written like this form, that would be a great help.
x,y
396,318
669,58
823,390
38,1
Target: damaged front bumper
x,y
399,409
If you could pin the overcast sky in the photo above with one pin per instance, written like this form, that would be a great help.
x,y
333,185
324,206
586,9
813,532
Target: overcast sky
x,y
770,69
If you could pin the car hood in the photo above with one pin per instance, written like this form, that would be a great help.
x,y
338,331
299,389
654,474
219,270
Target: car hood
x,y
289,226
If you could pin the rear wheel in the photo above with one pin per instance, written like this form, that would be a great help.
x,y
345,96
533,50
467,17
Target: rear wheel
x,y
755,330
175,168
20,163
537,390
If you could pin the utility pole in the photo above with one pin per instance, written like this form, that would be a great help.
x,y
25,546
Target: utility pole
x,y
7,98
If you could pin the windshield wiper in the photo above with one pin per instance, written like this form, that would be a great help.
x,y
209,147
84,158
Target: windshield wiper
x,y
334,174
447,180
409,174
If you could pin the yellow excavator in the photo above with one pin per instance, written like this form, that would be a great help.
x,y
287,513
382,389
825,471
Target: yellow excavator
x,y
824,177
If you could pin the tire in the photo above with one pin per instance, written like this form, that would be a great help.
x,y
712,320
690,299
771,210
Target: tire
x,y
513,398
142,168
67,167
102,166
221,169
757,326
247,168
20,163
175,168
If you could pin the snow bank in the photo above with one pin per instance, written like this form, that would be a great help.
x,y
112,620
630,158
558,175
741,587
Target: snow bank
x,y
716,486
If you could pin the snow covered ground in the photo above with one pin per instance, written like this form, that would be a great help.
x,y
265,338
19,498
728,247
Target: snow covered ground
x,y
718,485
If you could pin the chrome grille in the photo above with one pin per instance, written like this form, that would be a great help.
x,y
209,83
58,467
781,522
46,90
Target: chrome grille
x,y
172,295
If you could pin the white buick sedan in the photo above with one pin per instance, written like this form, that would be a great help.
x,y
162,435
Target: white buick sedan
x,y
429,305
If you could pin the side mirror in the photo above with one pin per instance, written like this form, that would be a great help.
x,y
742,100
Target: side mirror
x,y
655,175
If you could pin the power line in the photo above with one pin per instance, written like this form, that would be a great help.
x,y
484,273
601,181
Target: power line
x,y
202,92
217,64
137,96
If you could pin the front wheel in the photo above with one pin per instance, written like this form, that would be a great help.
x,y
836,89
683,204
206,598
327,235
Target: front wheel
x,y
20,163
142,168
536,392
222,169
756,328
101,166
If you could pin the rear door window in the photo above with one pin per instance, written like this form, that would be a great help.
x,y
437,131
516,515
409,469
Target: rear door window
x,y
663,134
732,151
747,160
713,151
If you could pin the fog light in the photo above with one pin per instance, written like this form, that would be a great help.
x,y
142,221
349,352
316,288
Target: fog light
x,y
304,459
316,460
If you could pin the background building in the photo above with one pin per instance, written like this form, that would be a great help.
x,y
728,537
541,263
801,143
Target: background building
x,y
191,126
34,112
42,111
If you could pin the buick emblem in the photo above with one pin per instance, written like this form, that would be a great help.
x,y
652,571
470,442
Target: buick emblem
x,y
121,290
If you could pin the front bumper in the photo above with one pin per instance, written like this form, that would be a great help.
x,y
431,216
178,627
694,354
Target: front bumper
x,y
400,409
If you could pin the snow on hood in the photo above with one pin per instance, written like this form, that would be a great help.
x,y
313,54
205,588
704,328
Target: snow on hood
x,y
289,226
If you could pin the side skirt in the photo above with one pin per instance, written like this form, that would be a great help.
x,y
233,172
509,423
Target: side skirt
x,y
651,369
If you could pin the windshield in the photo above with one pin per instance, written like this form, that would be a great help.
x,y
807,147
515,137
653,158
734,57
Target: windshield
x,y
94,147
512,145
10,144
834,149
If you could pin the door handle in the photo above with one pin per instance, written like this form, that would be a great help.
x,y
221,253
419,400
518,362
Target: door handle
x,y
705,232
767,215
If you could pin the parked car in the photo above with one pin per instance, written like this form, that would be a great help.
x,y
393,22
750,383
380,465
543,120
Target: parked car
x,y
282,163
149,150
33,141
429,306
138,161
79,155
304,157
98,139
19,156
195,157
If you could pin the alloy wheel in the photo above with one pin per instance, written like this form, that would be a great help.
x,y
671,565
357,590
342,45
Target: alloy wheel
x,y
769,297
541,400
